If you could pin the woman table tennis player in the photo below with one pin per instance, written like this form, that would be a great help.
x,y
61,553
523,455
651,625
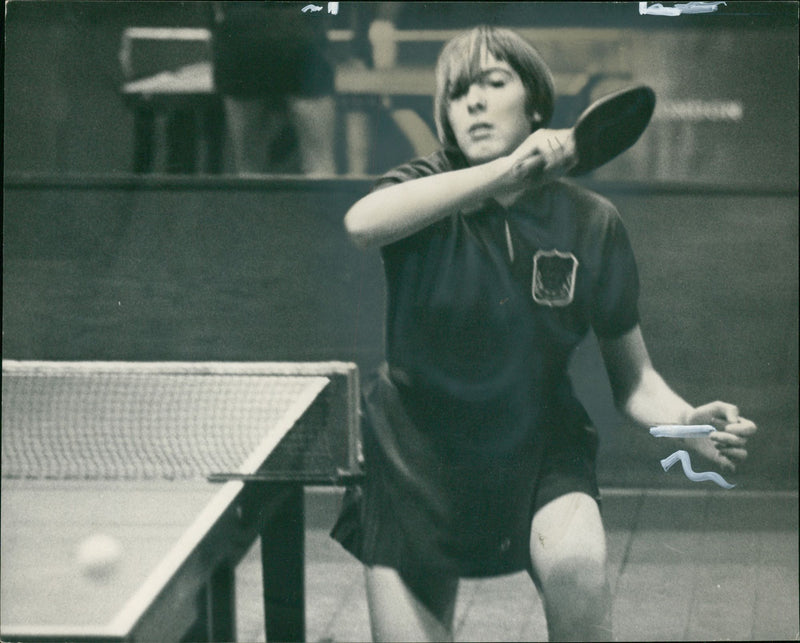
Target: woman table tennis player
x,y
479,460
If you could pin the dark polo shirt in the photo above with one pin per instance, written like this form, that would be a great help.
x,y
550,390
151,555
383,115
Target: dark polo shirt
x,y
484,309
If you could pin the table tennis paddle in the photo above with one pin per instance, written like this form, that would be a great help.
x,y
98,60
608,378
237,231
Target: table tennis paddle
x,y
611,125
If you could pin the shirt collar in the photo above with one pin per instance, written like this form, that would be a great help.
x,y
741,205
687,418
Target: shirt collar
x,y
533,202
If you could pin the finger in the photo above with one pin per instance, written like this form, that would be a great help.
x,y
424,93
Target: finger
x,y
742,427
561,148
722,411
712,452
725,463
557,150
723,438
734,454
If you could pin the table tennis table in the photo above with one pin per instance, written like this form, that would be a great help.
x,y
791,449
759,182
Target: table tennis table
x,y
128,450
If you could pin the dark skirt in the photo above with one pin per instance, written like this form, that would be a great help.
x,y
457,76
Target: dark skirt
x,y
421,510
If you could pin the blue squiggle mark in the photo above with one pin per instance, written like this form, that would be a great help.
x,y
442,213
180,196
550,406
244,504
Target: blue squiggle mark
x,y
683,456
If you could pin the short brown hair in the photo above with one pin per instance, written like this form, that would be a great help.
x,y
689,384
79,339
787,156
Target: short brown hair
x,y
459,63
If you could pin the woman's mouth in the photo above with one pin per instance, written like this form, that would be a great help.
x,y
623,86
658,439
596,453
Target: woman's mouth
x,y
480,130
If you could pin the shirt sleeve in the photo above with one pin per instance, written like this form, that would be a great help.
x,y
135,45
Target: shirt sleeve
x,y
616,301
435,163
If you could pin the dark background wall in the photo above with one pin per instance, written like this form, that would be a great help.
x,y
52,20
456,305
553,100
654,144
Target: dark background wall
x,y
261,270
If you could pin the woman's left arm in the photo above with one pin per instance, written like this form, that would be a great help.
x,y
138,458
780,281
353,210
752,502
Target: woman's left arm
x,y
643,395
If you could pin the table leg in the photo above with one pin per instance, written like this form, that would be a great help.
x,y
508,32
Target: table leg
x,y
222,604
181,135
214,133
144,128
216,609
282,560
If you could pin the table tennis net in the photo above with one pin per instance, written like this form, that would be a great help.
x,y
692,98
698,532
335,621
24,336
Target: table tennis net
x,y
90,423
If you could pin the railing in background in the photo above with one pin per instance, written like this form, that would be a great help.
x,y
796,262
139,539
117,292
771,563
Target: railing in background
x,y
183,95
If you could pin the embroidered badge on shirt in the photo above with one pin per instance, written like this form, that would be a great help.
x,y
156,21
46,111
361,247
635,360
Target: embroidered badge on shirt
x,y
554,277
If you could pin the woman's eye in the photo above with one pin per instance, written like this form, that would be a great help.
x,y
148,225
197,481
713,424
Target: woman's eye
x,y
461,87
495,80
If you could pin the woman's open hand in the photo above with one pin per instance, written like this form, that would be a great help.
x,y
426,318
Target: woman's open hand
x,y
726,446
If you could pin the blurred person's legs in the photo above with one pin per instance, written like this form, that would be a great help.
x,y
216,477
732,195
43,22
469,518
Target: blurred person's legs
x,y
399,613
252,126
314,119
568,554
269,54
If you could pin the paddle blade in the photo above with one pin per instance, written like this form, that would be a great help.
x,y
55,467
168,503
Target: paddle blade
x,y
611,125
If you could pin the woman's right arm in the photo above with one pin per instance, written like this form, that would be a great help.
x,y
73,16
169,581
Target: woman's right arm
x,y
398,211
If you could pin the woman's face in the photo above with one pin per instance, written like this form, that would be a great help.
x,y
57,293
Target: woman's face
x,y
490,119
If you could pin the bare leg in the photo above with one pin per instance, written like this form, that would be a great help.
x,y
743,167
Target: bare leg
x,y
315,122
252,127
398,614
568,551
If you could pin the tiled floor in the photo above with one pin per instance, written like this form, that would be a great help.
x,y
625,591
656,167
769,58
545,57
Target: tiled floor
x,y
698,565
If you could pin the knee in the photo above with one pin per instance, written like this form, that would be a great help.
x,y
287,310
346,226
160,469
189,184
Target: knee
x,y
577,601
577,580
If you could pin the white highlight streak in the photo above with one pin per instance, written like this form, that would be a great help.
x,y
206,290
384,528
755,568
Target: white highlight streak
x,y
681,430
683,456
659,9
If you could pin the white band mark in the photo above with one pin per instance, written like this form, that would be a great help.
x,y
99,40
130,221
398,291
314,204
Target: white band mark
x,y
682,430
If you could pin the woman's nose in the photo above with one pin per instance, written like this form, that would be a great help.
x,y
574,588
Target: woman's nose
x,y
476,98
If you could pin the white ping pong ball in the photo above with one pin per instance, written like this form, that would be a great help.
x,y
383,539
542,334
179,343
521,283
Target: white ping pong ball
x,y
99,555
